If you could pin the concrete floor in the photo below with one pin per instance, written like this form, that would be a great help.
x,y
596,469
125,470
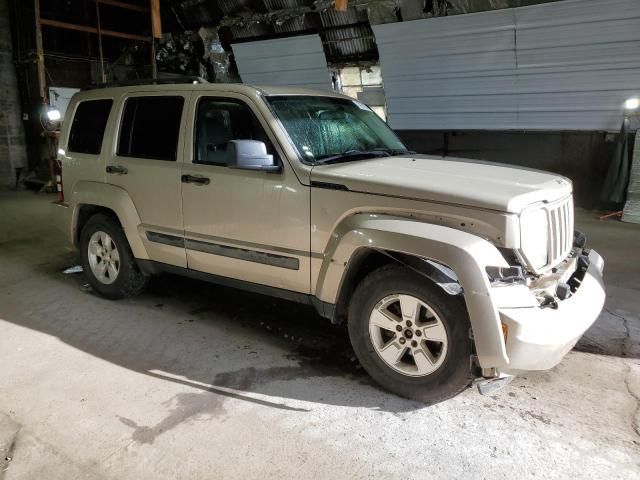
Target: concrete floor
x,y
193,381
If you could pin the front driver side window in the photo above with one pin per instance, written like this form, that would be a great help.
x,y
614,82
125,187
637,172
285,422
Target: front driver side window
x,y
217,122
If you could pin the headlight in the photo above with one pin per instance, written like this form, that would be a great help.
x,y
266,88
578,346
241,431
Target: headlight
x,y
534,237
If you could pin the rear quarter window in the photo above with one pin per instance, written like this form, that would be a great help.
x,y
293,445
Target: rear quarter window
x,y
87,127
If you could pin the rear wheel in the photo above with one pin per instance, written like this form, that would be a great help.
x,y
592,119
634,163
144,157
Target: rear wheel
x,y
410,336
107,259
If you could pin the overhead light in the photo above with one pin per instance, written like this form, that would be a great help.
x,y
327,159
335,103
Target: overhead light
x,y
632,103
53,114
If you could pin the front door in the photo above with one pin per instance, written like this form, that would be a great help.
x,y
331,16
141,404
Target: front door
x,y
243,224
147,163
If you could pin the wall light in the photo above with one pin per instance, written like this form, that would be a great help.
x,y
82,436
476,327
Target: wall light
x,y
53,114
632,103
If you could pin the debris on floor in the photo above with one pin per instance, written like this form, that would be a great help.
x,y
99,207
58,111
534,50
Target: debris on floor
x,y
75,269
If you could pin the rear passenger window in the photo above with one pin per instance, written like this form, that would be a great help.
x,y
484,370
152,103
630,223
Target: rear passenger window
x,y
87,128
150,127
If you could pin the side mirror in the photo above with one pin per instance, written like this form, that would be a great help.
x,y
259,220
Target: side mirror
x,y
251,155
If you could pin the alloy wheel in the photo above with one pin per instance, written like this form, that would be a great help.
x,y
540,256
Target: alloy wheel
x,y
408,335
104,258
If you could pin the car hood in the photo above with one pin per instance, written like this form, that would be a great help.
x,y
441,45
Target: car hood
x,y
452,180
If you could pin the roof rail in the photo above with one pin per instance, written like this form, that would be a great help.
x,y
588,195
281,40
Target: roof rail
x,y
150,81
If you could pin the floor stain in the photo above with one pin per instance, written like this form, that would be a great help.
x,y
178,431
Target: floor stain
x,y
536,416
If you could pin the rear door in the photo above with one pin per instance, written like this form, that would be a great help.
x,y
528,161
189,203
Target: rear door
x,y
146,162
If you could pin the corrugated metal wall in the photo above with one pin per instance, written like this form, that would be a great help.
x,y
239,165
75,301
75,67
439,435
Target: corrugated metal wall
x,y
454,72
577,63
560,66
293,61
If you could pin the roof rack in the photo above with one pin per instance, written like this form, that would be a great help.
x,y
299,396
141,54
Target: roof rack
x,y
150,81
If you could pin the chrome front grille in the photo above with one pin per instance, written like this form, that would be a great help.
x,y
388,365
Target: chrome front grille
x,y
560,216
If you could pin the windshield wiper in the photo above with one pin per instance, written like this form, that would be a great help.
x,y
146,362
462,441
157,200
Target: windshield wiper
x,y
352,155
396,151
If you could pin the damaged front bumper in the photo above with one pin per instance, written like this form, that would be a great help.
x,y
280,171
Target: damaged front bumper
x,y
538,337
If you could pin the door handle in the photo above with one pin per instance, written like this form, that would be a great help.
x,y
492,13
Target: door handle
x,y
198,180
119,169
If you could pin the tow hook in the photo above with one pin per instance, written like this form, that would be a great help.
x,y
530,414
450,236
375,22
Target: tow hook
x,y
489,386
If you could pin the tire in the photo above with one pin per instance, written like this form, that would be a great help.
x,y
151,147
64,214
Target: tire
x,y
127,280
434,368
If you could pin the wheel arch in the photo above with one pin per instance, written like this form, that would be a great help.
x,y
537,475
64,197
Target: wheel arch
x,y
89,198
401,239
365,260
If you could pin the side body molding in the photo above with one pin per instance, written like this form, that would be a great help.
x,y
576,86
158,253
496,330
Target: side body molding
x,y
113,198
466,254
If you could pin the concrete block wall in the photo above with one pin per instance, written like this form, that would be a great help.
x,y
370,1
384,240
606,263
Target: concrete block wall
x,y
13,154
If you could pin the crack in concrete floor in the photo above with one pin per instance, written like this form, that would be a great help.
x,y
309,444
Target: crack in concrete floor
x,y
635,416
8,440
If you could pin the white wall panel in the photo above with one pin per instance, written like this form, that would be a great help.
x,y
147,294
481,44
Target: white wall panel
x,y
577,63
292,61
450,73
565,65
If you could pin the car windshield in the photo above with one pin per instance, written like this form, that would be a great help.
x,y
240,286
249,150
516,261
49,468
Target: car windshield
x,y
329,129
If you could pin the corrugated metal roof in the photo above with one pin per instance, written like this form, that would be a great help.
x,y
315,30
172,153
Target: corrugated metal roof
x,y
249,31
348,36
195,13
331,18
273,5
230,7
350,43
293,25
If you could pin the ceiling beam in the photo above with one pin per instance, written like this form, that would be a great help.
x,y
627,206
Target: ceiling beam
x,y
124,5
88,29
341,5
156,22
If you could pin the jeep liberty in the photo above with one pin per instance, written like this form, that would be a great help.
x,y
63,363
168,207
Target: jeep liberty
x,y
444,270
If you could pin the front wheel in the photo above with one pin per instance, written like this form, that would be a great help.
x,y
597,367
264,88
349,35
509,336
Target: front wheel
x,y
107,259
410,336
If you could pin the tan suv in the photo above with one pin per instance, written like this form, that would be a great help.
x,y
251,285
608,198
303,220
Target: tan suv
x,y
446,270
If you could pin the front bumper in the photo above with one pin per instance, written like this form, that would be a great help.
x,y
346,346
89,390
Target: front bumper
x,y
538,338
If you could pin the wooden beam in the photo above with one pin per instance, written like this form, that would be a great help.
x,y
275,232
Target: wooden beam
x,y
124,5
156,22
88,29
341,5
103,75
42,81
